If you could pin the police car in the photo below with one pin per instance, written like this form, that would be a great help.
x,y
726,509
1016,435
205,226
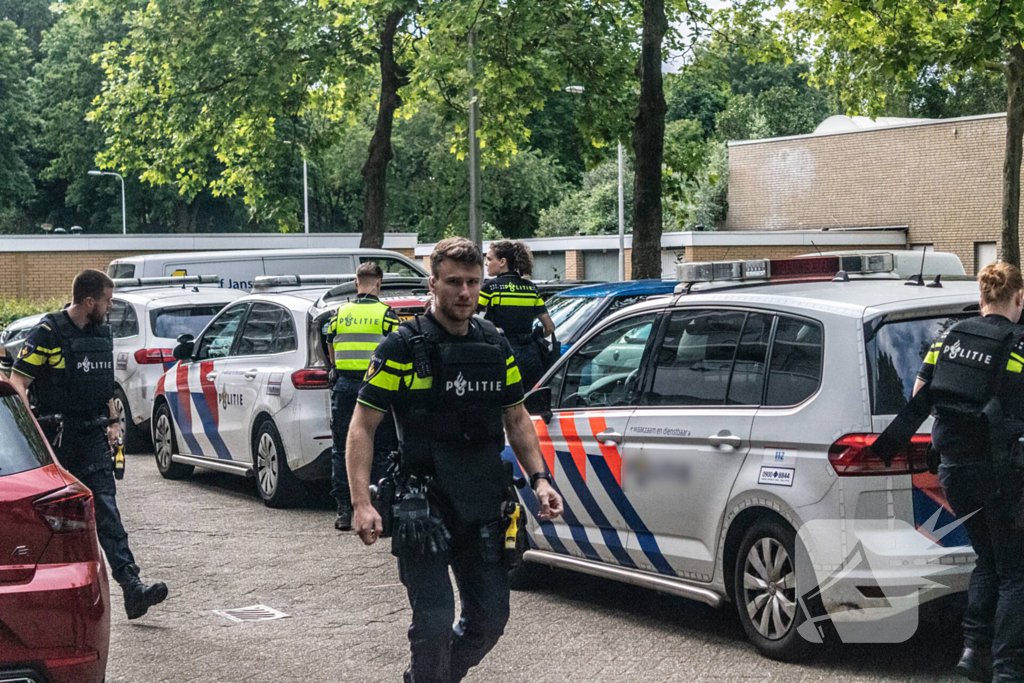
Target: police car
x,y
251,394
14,335
713,445
146,318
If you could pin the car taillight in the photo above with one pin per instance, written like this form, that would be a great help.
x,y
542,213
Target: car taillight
x,y
311,378
851,456
154,356
68,510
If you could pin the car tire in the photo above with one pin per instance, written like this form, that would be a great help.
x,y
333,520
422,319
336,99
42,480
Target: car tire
x,y
134,438
165,444
277,485
760,587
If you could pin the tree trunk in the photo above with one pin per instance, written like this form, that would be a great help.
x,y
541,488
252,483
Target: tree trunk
x,y
1014,152
648,145
392,77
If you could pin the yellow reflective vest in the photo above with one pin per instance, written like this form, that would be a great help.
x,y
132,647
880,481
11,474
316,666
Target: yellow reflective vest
x,y
357,329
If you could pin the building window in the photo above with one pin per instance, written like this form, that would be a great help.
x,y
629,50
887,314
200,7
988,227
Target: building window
x,y
984,254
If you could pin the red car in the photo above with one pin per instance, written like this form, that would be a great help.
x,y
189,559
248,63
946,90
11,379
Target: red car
x,y
54,597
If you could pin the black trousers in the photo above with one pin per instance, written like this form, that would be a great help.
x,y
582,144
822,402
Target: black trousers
x,y
86,455
442,653
528,360
995,599
343,404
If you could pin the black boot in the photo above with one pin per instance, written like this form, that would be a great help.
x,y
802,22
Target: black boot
x,y
343,522
975,665
138,597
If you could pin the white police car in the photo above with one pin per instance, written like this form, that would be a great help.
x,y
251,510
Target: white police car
x,y
712,445
251,395
146,318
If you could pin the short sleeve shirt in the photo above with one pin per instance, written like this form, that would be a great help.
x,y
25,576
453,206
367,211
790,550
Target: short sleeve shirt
x,y
511,302
41,354
391,380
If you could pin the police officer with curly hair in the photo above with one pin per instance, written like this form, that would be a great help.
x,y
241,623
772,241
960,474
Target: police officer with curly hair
x,y
67,368
453,384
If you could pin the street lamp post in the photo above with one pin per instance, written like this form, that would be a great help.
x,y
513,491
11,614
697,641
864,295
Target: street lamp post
x,y
305,187
577,90
474,153
124,214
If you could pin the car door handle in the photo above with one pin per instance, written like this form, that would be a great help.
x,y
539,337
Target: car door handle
x,y
609,435
251,374
725,438
210,376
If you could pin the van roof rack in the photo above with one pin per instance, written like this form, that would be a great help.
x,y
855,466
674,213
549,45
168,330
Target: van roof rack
x,y
173,280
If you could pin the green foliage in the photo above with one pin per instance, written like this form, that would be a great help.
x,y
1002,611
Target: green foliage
x,y
15,309
15,121
594,208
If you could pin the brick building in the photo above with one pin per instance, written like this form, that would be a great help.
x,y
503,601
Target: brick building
x,y
942,179
42,267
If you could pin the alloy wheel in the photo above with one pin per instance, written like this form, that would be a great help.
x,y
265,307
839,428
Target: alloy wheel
x,y
122,419
267,464
769,588
163,445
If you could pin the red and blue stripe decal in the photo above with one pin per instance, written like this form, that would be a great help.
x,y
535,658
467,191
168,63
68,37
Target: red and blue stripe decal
x,y
929,498
182,399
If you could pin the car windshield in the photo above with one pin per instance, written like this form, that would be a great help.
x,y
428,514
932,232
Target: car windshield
x,y
22,447
121,270
569,312
171,323
895,355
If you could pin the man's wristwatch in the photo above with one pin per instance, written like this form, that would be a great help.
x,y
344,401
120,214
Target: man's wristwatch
x,y
537,476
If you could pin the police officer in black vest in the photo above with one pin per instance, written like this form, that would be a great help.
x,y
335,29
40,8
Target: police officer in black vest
x,y
453,384
974,382
66,368
512,303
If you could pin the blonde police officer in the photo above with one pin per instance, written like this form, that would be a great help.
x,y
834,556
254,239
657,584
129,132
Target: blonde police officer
x,y
354,333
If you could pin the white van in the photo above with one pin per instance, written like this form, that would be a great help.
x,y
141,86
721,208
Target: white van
x,y
238,269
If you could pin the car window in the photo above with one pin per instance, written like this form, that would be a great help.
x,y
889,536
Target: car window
x,y
604,371
795,369
121,270
747,383
569,313
895,354
621,302
22,447
392,265
171,323
220,335
260,327
694,363
285,338
122,320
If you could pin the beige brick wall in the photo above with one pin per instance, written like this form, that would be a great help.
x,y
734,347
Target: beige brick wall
x,y
752,252
943,180
43,275
575,268
627,261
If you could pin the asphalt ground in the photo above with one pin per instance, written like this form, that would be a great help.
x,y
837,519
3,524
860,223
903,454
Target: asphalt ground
x,y
218,547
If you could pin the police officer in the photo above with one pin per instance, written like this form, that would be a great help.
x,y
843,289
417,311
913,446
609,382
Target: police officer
x,y
354,333
512,302
68,361
455,389
975,385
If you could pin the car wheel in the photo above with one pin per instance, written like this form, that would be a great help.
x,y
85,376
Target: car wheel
x,y
766,591
165,444
277,485
134,438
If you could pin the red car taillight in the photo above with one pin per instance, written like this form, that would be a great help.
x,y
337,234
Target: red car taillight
x,y
311,378
851,457
154,356
68,510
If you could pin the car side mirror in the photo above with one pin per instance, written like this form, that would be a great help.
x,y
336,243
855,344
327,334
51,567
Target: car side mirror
x,y
186,344
538,402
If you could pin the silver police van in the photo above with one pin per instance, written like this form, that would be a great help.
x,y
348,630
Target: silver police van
x,y
714,444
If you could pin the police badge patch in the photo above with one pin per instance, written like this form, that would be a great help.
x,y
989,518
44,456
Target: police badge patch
x,y
376,363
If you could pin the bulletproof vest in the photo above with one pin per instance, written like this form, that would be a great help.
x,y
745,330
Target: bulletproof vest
x,y
86,385
455,433
968,373
358,329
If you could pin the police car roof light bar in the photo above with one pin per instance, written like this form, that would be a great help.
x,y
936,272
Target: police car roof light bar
x,y
176,280
803,268
265,282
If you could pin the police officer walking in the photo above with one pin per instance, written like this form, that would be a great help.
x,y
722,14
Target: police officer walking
x,y
975,385
512,302
455,389
68,362
354,333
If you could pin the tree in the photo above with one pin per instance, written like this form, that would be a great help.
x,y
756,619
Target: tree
x,y
867,49
15,122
